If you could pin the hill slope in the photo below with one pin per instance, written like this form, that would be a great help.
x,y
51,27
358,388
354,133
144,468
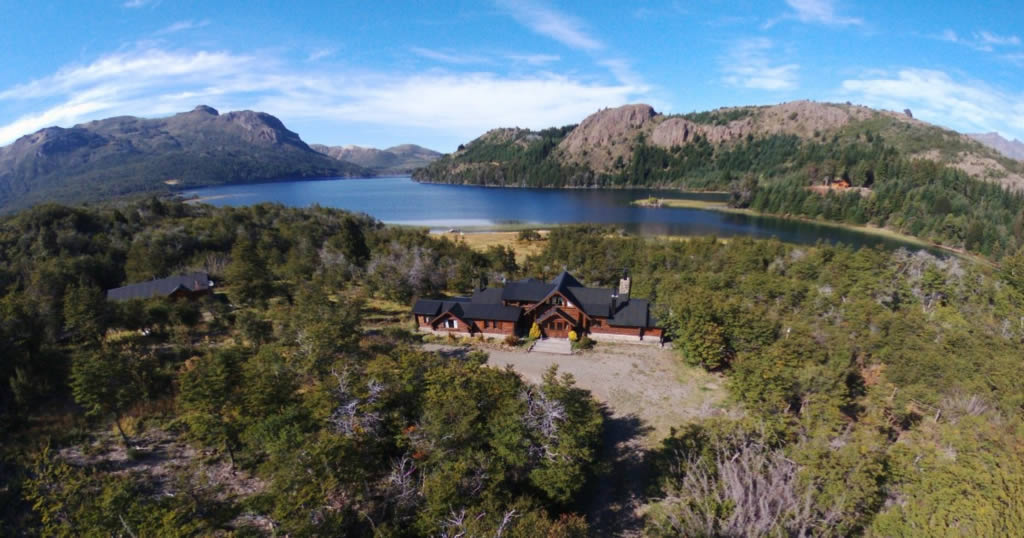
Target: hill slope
x,y
400,159
702,147
127,154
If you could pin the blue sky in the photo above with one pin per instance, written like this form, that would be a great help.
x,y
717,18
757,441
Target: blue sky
x,y
442,72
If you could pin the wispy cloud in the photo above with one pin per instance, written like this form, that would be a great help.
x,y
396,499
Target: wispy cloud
x,y
815,12
749,65
561,27
139,3
183,25
448,57
320,54
534,59
154,82
935,96
983,41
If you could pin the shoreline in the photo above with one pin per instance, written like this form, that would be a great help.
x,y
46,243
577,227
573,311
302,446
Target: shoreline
x,y
703,205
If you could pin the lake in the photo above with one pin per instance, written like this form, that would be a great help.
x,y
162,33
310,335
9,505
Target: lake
x,y
400,200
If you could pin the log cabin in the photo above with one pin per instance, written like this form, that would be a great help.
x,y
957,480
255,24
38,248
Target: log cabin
x,y
558,307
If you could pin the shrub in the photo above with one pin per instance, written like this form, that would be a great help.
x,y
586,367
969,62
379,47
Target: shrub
x,y
512,340
583,343
529,235
573,336
535,331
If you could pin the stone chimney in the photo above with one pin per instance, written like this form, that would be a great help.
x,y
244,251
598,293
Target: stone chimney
x,y
624,285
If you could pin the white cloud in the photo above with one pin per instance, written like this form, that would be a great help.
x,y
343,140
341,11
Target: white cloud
x,y
534,59
983,41
183,25
561,27
139,3
155,82
995,39
935,96
448,57
815,11
320,54
749,65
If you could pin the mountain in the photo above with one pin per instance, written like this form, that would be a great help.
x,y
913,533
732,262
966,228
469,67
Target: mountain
x,y
634,145
126,154
400,159
1012,149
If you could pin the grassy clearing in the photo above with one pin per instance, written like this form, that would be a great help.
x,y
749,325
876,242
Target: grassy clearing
x,y
481,241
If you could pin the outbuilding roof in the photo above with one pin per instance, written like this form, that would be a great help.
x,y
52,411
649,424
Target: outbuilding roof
x,y
163,287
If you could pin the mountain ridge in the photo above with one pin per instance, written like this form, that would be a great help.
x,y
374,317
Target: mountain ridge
x,y
1013,149
128,154
400,159
604,143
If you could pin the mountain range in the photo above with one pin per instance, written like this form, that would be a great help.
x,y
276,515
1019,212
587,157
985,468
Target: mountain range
x,y
124,155
401,159
633,145
1013,149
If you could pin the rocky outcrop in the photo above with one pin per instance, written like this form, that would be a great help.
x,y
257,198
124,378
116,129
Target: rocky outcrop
x,y
606,136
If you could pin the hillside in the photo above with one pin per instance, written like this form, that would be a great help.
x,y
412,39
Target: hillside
x,y
1013,149
401,159
126,154
911,177
601,151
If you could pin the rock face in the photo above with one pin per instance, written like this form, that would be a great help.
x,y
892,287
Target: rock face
x,y
128,154
1013,149
605,136
401,159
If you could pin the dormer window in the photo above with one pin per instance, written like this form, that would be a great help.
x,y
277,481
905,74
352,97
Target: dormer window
x,y
557,300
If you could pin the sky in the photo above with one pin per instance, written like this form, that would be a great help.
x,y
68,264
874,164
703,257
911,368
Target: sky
x,y
440,73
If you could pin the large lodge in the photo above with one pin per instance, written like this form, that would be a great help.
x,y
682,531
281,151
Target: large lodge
x,y
558,307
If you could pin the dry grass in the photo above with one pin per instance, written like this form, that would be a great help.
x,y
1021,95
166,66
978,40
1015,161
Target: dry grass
x,y
481,241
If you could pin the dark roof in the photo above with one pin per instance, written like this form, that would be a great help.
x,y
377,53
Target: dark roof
x,y
487,303
466,308
525,290
555,312
635,313
434,307
496,312
198,281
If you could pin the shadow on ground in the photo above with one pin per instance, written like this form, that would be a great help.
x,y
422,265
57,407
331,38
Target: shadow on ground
x,y
618,491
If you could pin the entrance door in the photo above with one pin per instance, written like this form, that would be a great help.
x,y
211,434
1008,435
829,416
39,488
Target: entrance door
x,y
556,328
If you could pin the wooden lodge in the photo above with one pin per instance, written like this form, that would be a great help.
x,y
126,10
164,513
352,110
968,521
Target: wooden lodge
x,y
189,286
557,307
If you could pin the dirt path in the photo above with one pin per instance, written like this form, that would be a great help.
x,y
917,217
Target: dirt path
x,y
646,392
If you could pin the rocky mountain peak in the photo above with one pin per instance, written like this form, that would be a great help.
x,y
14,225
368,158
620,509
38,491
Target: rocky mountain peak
x,y
203,109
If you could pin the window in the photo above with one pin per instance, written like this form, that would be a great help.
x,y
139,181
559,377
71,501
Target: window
x,y
487,324
557,300
451,324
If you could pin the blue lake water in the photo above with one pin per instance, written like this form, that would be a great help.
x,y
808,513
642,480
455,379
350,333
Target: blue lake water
x,y
400,200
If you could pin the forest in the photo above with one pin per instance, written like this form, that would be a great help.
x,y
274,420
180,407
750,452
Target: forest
x,y
875,392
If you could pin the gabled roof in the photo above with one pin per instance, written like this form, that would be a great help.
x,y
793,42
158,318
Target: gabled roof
x,y
556,312
164,287
465,308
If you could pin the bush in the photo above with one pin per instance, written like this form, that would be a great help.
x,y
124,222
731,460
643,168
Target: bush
x,y
529,235
573,336
535,331
583,343
512,340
